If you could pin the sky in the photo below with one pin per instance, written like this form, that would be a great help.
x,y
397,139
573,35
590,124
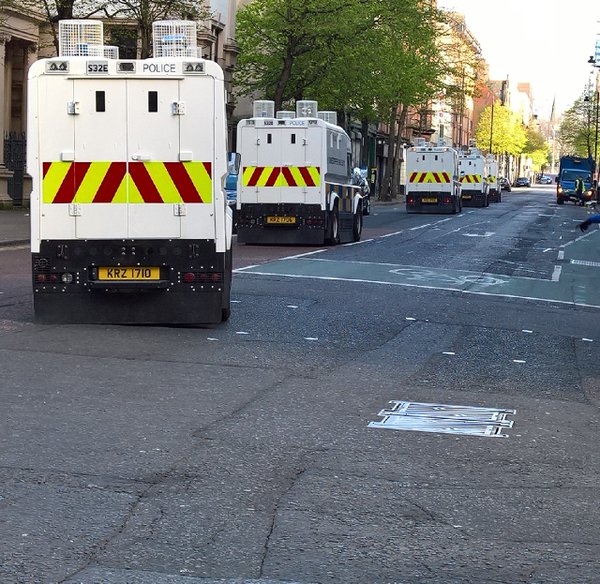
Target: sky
x,y
544,42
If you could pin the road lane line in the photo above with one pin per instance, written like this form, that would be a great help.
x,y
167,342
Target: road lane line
x,y
302,255
556,273
357,242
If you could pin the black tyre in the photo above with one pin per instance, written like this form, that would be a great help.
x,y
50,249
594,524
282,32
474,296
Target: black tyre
x,y
333,235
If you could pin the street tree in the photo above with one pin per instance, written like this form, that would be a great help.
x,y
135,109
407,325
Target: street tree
x,y
536,147
360,58
413,77
576,134
508,135
392,66
286,45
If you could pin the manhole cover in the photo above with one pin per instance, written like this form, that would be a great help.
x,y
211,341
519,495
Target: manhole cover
x,y
445,419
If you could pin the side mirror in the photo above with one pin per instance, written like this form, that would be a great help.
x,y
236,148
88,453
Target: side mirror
x,y
234,160
555,179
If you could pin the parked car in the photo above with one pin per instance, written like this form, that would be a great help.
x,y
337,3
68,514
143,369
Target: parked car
x,y
545,180
504,184
522,181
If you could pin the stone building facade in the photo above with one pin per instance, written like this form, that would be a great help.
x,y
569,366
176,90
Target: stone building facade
x,y
19,43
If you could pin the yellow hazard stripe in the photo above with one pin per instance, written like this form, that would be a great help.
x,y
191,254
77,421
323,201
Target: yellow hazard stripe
x,y
53,179
276,176
315,174
91,182
247,175
107,182
201,180
163,182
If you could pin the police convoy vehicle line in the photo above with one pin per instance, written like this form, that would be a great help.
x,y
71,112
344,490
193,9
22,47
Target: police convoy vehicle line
x,y
473,173
432,179
296,183
129,222
494,189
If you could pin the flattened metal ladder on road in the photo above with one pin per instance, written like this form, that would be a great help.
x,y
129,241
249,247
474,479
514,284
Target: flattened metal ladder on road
x,y
446,419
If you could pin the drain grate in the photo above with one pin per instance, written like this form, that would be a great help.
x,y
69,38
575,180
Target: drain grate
x,y
445,419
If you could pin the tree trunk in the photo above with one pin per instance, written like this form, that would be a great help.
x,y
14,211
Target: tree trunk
x,y
364,154
386,187
64,11
398,152
283,80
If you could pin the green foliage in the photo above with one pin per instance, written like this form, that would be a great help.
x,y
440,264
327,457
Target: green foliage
x,y
286,43
535,141
576,134
539,158
508,134
351,55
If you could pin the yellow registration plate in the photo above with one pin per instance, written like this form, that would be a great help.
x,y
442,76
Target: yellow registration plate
x,y
466,197
272,220
129,273
429,200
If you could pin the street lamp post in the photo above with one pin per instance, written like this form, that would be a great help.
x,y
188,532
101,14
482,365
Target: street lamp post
x,y
596,168
595,62
492,123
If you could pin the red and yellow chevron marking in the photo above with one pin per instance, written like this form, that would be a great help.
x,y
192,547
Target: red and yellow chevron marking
x,y
121,182
470,178
281,176
429,177
491,179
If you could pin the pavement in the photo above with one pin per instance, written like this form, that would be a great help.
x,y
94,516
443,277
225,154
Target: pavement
x,y
14,226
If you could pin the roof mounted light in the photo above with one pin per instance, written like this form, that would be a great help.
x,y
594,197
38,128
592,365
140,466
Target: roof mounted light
x,y
57,67
126,66
193,68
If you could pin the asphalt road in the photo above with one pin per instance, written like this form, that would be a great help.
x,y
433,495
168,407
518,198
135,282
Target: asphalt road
x,y
254,452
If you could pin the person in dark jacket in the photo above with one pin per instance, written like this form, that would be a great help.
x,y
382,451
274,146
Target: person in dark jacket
x,y
591,219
